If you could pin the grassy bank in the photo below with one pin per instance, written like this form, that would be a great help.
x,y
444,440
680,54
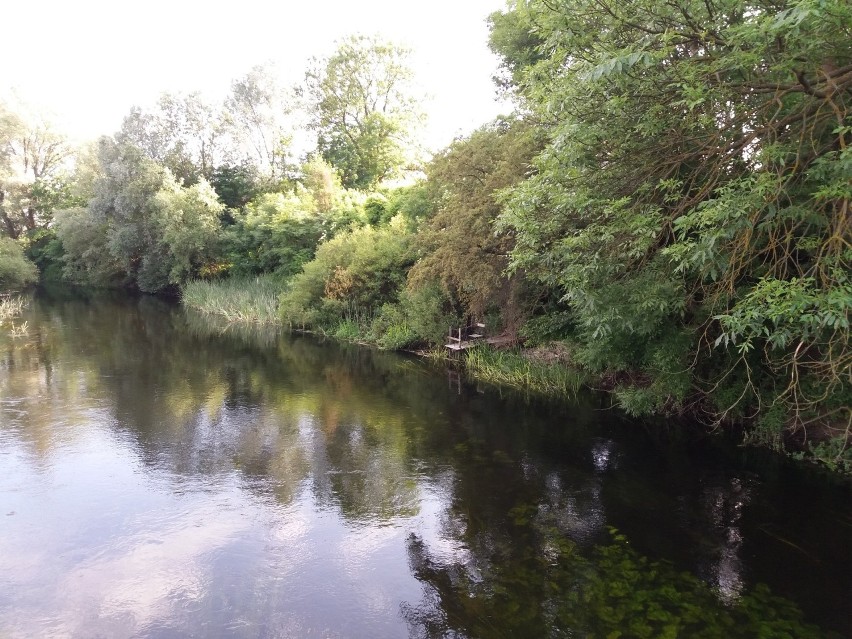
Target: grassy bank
x,y
237,300
513,369
255,301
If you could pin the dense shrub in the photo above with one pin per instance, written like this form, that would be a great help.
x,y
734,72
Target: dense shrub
x,y
351,277
16,271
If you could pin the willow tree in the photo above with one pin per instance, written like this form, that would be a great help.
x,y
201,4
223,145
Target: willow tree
x,y
692,203
460,250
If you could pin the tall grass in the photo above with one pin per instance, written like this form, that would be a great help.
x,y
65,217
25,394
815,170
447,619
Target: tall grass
x,y
237,300
513,369
10,308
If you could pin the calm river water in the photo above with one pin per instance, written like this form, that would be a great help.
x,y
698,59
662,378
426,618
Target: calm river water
x,y
161,477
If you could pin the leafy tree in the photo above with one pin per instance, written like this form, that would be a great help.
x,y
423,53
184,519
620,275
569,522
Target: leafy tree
x,y
350,278
413,202
459,247
692,203
86,257
123,202
187,221
141,225
183,133
274,233
321,180
364,110
236,185
32,156
263,116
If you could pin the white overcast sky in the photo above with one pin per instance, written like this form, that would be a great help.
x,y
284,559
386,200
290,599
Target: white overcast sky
x,y
89,61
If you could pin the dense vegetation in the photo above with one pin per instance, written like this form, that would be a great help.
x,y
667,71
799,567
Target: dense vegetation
x,y
668,208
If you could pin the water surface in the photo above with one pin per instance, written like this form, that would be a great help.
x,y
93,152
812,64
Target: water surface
x,y
162,477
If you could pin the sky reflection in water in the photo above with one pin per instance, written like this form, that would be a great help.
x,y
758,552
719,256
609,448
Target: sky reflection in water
x,y
158,482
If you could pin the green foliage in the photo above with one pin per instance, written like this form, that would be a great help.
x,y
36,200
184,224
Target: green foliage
x,y
16,271
32,179
458,245
421,317
553,325
347,330
363,109
351,276
414,203
87,259
141,226
695,183
835,453
45,250
187,225
236,185
275,233
323,183
375,210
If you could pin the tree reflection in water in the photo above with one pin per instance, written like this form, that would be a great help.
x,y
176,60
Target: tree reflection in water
x,y
504,506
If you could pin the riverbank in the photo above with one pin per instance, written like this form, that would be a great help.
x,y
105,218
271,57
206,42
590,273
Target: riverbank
x,y
544,369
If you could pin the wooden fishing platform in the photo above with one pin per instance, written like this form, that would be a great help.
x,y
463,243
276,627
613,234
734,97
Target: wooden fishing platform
x,y
465,337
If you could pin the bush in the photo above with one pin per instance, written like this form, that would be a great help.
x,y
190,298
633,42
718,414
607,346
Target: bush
x,y
275,233
16,271
351,277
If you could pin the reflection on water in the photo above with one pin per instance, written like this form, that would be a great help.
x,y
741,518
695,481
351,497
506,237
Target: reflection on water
x,y
164,476
724,505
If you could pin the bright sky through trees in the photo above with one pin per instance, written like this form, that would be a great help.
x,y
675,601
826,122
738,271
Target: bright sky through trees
x,y
89,61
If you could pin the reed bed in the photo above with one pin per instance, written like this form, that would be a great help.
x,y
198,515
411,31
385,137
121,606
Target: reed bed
x,y
10,308
513,369
237,300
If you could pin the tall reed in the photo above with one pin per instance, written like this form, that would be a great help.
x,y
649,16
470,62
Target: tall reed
x,y
10,308
237,300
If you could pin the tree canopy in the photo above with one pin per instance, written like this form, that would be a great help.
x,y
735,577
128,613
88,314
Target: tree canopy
x,y
364,110
691,206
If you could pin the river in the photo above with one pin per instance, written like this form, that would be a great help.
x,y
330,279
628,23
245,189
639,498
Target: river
x,y
164,477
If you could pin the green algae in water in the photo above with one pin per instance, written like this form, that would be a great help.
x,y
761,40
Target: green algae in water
x,y
612,592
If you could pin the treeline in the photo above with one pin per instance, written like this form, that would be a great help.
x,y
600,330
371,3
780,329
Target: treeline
x,y
668,208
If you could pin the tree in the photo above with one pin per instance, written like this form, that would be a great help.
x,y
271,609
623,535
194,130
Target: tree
x,y
692,203
141,225
263,116
364,111
235,184
187,221
459,246
32,157
183,133
276,232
